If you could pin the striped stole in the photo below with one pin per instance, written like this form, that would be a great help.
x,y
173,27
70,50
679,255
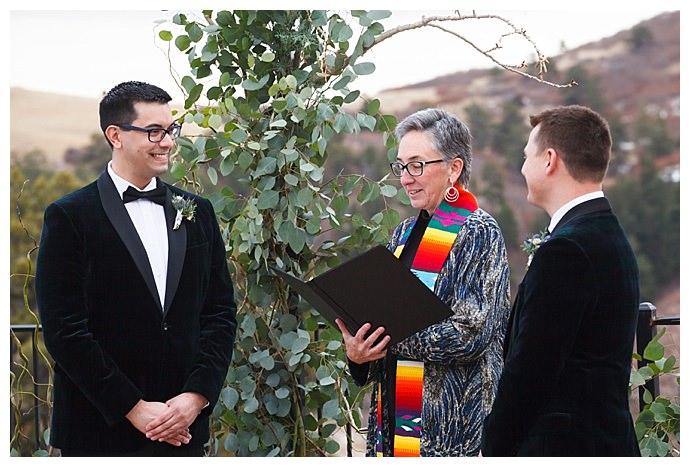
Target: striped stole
x,y
434,247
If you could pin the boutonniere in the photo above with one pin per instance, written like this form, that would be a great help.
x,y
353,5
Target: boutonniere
x,y
532,244
185,209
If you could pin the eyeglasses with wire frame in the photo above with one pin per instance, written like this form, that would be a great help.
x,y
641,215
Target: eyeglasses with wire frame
x,y
156,135
414,168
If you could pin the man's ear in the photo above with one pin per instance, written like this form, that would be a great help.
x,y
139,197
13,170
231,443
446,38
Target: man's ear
x,y
113,135
552,160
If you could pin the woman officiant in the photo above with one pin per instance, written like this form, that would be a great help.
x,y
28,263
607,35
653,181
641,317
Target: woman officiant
x,y
432,391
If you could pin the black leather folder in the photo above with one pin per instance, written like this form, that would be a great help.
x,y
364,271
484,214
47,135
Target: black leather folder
x,y
374,287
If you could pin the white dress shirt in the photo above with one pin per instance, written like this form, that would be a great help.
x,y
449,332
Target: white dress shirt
x,y
149,220
558,215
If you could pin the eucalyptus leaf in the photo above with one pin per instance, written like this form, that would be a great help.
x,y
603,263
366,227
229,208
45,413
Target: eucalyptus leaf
x,y
182,42
273,380
294,359
328,380
333,345
252,405
268,57
332,446
231,442
376,15
229,396
654,351
299,345
330,409
212,175
291,179
365,68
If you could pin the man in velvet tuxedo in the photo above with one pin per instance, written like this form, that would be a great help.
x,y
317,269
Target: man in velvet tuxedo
x,y
564,387
136,302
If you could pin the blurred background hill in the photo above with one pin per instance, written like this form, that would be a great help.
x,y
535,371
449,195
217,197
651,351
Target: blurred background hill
x,y
632,78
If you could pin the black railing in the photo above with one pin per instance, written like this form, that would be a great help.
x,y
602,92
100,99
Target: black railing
x,y
647,323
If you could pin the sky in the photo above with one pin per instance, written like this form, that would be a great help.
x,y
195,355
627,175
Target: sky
x,y
85,52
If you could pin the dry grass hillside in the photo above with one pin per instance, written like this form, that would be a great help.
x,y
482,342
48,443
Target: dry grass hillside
x,y
50,123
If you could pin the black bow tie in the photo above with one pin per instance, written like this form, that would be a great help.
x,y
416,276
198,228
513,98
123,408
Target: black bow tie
x,y
157,195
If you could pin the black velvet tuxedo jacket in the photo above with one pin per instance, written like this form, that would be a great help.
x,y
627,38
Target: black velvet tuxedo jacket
x,y
564,387
112,340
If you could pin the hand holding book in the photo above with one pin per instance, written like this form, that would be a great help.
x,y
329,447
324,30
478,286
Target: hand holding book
x,y
363,348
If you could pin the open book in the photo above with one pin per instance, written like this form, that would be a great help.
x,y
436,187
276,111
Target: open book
x,y
374,287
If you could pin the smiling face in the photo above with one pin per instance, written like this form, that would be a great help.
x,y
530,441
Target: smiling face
x,y
425,191
135,158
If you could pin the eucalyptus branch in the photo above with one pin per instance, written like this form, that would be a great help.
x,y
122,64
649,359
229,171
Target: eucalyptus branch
x,y
316,446
16,402
541,62
18,211
173,73
431,20
299,434
18,380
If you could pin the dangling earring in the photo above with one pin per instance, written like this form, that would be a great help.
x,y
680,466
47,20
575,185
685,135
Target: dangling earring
x,y
451,195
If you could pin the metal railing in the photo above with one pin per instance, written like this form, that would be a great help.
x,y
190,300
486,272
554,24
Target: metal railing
x,y
647,323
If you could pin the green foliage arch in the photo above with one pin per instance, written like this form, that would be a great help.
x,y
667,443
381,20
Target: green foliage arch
x,y
278,86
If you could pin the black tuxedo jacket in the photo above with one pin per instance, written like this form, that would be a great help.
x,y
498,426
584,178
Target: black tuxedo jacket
x,y
112,340
564,387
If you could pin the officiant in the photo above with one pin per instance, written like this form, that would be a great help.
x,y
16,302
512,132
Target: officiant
x,y
432,391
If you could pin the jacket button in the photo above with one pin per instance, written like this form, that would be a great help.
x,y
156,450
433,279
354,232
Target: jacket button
x,y
165,326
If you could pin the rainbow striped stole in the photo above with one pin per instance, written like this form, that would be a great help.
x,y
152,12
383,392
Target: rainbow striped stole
x,y
409,378
434,247
439,236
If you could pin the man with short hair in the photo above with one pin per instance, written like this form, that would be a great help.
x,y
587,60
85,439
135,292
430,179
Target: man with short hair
x,y
564,386
135,297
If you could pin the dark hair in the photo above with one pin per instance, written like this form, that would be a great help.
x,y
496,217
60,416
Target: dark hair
x,y
117,106
449,136
580,135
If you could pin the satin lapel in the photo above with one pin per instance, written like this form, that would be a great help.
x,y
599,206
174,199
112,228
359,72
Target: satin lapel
x,y
118,216
177,246
588,207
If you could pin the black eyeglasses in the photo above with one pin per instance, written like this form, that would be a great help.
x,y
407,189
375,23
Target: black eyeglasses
x,y
414,168
156,135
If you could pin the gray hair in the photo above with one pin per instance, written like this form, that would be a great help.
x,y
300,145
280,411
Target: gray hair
x,y
449,136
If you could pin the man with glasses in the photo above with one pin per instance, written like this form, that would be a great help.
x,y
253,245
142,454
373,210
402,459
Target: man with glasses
x,y
137,306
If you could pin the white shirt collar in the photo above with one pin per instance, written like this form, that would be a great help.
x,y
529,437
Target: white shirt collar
x,y
558,215
121,184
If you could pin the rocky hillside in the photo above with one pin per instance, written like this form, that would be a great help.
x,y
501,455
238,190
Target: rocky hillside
x,y
636,71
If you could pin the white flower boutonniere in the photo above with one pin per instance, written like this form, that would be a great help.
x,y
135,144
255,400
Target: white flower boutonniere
x,y
185,209
532,244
